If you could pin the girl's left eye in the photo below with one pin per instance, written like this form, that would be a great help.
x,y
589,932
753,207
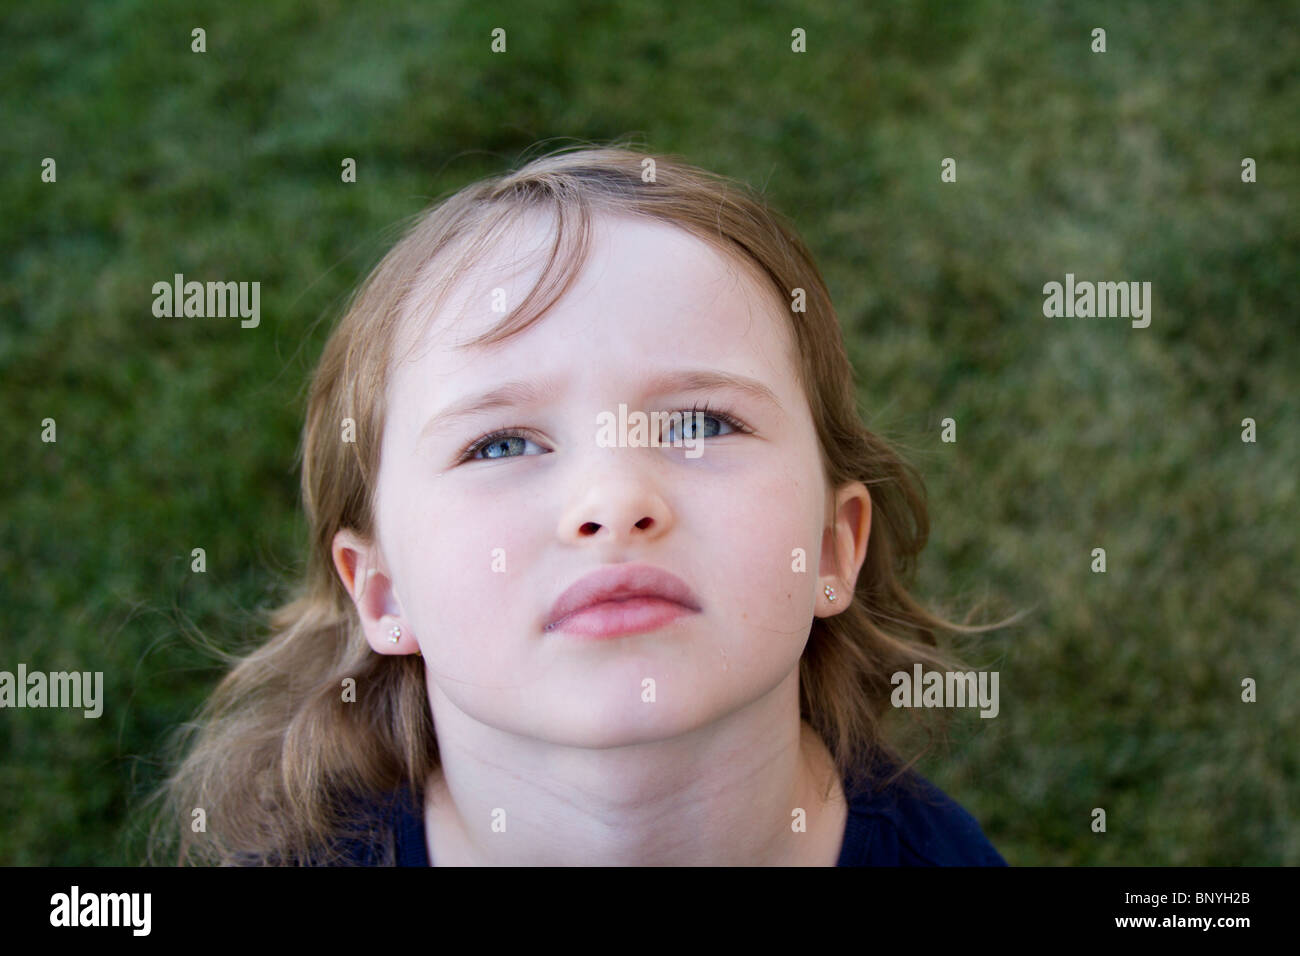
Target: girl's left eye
x,y
501,440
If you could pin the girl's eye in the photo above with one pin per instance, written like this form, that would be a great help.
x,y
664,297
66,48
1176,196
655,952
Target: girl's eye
x,y
688,425
496,444
499,443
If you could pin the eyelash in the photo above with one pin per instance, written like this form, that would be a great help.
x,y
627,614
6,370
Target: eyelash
x,y
468,453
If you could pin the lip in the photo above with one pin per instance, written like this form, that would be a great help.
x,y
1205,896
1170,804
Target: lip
x,y
621,599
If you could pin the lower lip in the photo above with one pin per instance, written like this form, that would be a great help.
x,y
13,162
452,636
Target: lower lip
x,y
616,618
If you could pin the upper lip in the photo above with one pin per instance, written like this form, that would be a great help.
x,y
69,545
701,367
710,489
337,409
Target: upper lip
x,y
619,583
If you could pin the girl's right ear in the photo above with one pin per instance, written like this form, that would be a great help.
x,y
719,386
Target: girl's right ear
x,y
359,567
352,561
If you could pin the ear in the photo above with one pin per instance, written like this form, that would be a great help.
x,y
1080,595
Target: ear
x,y
844,551
360,566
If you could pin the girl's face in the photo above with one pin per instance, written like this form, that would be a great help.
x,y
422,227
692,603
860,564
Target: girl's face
x,y
473,553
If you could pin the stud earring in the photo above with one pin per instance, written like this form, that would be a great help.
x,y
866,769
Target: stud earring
x,y
395,634
830,593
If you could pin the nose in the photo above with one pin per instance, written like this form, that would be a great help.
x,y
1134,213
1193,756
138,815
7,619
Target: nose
x,y
622,508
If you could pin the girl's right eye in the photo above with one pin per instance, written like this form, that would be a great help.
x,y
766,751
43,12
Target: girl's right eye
x,y
499,441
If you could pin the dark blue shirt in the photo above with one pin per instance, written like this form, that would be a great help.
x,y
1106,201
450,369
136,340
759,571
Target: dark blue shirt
x,y
892,826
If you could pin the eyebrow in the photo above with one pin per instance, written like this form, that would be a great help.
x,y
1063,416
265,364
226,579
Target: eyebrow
x,y
523,393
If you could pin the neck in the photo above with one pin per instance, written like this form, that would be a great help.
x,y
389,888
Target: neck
x,y
723,794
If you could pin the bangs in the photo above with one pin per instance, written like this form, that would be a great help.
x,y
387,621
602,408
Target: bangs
x,y
570,227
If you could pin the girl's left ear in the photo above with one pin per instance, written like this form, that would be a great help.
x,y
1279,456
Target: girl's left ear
x,y
844,550
359,566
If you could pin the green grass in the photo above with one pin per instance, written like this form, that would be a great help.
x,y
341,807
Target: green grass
x,y
1121,692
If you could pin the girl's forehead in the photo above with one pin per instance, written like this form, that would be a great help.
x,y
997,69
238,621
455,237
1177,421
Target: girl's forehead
x,y
639,273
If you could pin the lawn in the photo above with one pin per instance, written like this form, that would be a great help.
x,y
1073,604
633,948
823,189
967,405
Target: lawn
x,y
1121,691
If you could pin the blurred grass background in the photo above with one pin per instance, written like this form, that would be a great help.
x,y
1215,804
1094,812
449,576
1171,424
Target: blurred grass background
x,y
1122,691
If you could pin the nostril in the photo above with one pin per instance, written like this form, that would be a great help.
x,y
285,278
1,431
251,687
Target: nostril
x,y
589,528
645,523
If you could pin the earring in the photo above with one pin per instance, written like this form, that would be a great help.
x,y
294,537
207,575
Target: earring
x,y
830,593
395,634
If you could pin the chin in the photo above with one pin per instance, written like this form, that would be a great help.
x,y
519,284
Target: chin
x,y
622,723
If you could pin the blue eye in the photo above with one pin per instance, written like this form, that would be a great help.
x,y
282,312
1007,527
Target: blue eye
x,y
688,422
505,439
497,441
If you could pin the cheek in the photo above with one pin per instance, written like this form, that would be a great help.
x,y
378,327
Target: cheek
x,y
462,573
772,549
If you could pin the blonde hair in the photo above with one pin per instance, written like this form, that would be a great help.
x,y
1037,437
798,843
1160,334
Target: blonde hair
x,y
278,759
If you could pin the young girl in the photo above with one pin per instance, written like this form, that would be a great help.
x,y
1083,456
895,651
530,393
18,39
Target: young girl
x,y
536,630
